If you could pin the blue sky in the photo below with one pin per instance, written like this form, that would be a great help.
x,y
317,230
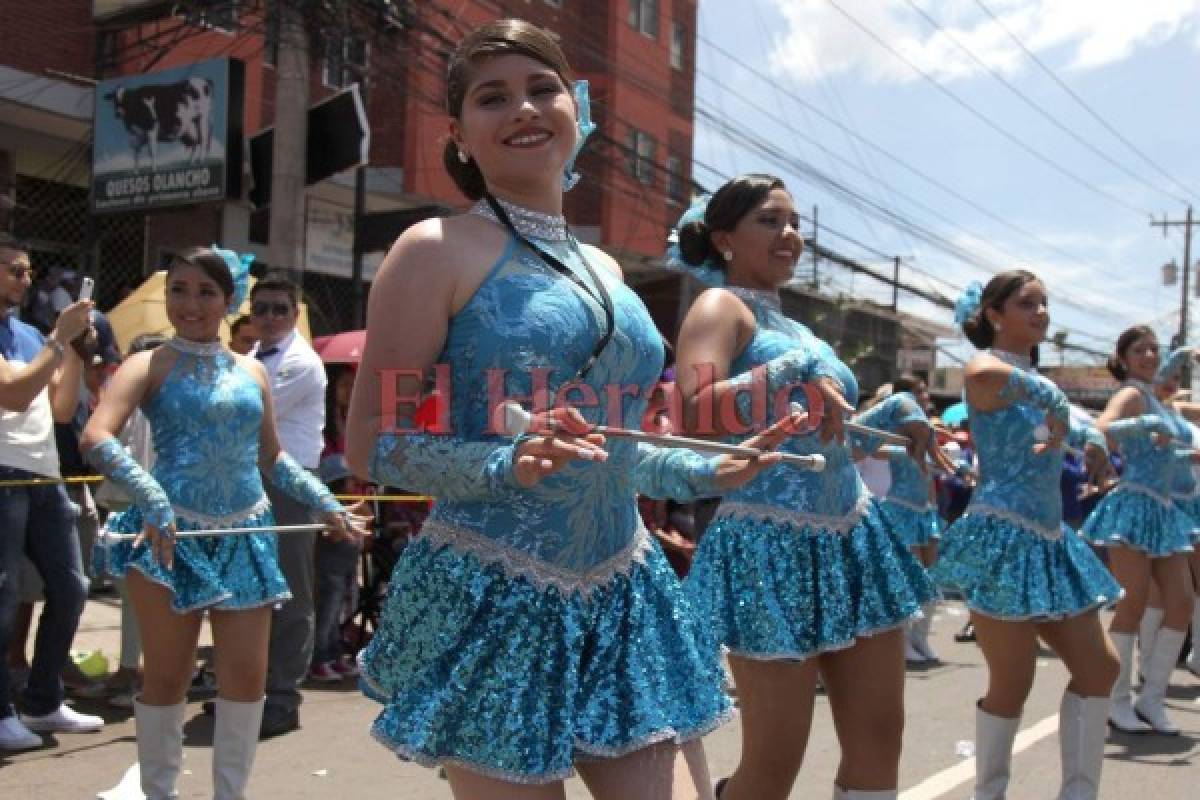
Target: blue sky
x,y
1136,64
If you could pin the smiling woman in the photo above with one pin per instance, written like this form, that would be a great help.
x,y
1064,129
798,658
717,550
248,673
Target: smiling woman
x,y
534,628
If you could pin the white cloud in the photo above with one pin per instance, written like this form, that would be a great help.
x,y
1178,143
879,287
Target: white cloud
x,y
1082,34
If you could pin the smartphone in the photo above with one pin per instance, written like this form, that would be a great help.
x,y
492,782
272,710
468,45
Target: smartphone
x,y
85,288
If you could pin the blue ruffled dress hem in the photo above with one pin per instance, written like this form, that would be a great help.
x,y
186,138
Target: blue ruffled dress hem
x,y
229,573
1128,518
507,678
1010,572
913,528
770,590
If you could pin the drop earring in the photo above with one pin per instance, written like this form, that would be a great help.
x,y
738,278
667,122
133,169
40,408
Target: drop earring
x,y
727,255
463,158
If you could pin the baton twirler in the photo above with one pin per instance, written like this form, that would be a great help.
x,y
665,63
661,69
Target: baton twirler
x,y
123,537
517,421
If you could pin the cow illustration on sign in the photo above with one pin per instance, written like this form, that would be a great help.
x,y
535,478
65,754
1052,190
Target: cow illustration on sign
x,y
171,112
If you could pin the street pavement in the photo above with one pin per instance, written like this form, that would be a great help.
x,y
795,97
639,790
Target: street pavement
x,y
333,755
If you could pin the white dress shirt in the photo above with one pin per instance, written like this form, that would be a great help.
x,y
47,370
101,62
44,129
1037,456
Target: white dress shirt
x,y
297,380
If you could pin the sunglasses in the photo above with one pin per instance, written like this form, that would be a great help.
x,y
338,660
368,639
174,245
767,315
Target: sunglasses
x,y
261,309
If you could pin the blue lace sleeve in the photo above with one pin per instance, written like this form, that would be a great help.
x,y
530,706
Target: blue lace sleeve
x,y
784,372
112,460
673,472
301,485
890,415
444,466
1081,435
1024,387
1138,427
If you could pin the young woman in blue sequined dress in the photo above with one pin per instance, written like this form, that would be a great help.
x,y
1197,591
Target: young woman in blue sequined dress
x,y
1147,534
1025,574
215,439
798,572
533,629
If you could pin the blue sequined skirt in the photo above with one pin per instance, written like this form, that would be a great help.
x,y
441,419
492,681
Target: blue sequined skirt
x,y
223,572
913,528
1011,572
488,671
773,590
1191,507
1133,519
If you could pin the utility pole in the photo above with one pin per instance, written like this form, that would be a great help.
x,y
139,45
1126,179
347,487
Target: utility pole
x,y
288,209
1187,224
816,257
896,283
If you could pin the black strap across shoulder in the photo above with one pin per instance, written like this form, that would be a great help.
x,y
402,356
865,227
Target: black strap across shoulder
x,y
600,294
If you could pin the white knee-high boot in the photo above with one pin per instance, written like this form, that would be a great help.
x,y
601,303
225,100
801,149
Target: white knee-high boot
x,y
160,748
1151,621
921,630
1193,659
235,740
1081,734
993,753
1149,705
1120,713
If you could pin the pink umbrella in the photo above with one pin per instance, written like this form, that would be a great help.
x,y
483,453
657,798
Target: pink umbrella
x,y
341,348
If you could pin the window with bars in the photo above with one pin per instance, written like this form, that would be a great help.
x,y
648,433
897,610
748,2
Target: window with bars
x,y
345,60
640,159
643,17
219,14
678,37
676,185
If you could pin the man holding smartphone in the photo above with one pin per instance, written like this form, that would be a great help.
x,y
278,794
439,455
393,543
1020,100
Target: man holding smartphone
x,y
39,385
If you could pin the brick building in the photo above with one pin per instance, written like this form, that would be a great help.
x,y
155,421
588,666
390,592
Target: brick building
x,y
638,55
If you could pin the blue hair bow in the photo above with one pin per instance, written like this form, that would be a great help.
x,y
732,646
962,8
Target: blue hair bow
x,y
710,272
239,269
968,303
585,128
1173,364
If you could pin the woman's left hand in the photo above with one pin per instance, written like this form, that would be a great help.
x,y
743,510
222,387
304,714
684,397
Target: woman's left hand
x,y
923,447
734,471
351,524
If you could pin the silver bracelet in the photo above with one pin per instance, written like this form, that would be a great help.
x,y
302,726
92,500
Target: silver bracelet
x,y
59,350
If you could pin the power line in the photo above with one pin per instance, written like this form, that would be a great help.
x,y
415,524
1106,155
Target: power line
x,y
1082,103
1036,106
988,121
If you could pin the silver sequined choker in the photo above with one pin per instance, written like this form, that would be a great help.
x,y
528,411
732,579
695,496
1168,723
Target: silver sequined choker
x,y
762,297
195,348
529,223
1016,359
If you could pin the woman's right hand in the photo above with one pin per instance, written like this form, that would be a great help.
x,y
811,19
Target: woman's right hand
x,y
559,436
161,543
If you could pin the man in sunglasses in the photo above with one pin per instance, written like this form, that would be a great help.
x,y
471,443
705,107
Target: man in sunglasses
x,y
297,379
40,378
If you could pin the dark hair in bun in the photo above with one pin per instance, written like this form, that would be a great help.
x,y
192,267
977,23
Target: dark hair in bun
x,y
1124,342
503,37
725,210
977,327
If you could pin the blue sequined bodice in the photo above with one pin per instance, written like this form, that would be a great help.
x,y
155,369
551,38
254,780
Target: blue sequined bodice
x,y
1014,483
1147,465
830,498
527,323
910,487
206,419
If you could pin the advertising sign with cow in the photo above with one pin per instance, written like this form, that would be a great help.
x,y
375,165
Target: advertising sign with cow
x,y
168,138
